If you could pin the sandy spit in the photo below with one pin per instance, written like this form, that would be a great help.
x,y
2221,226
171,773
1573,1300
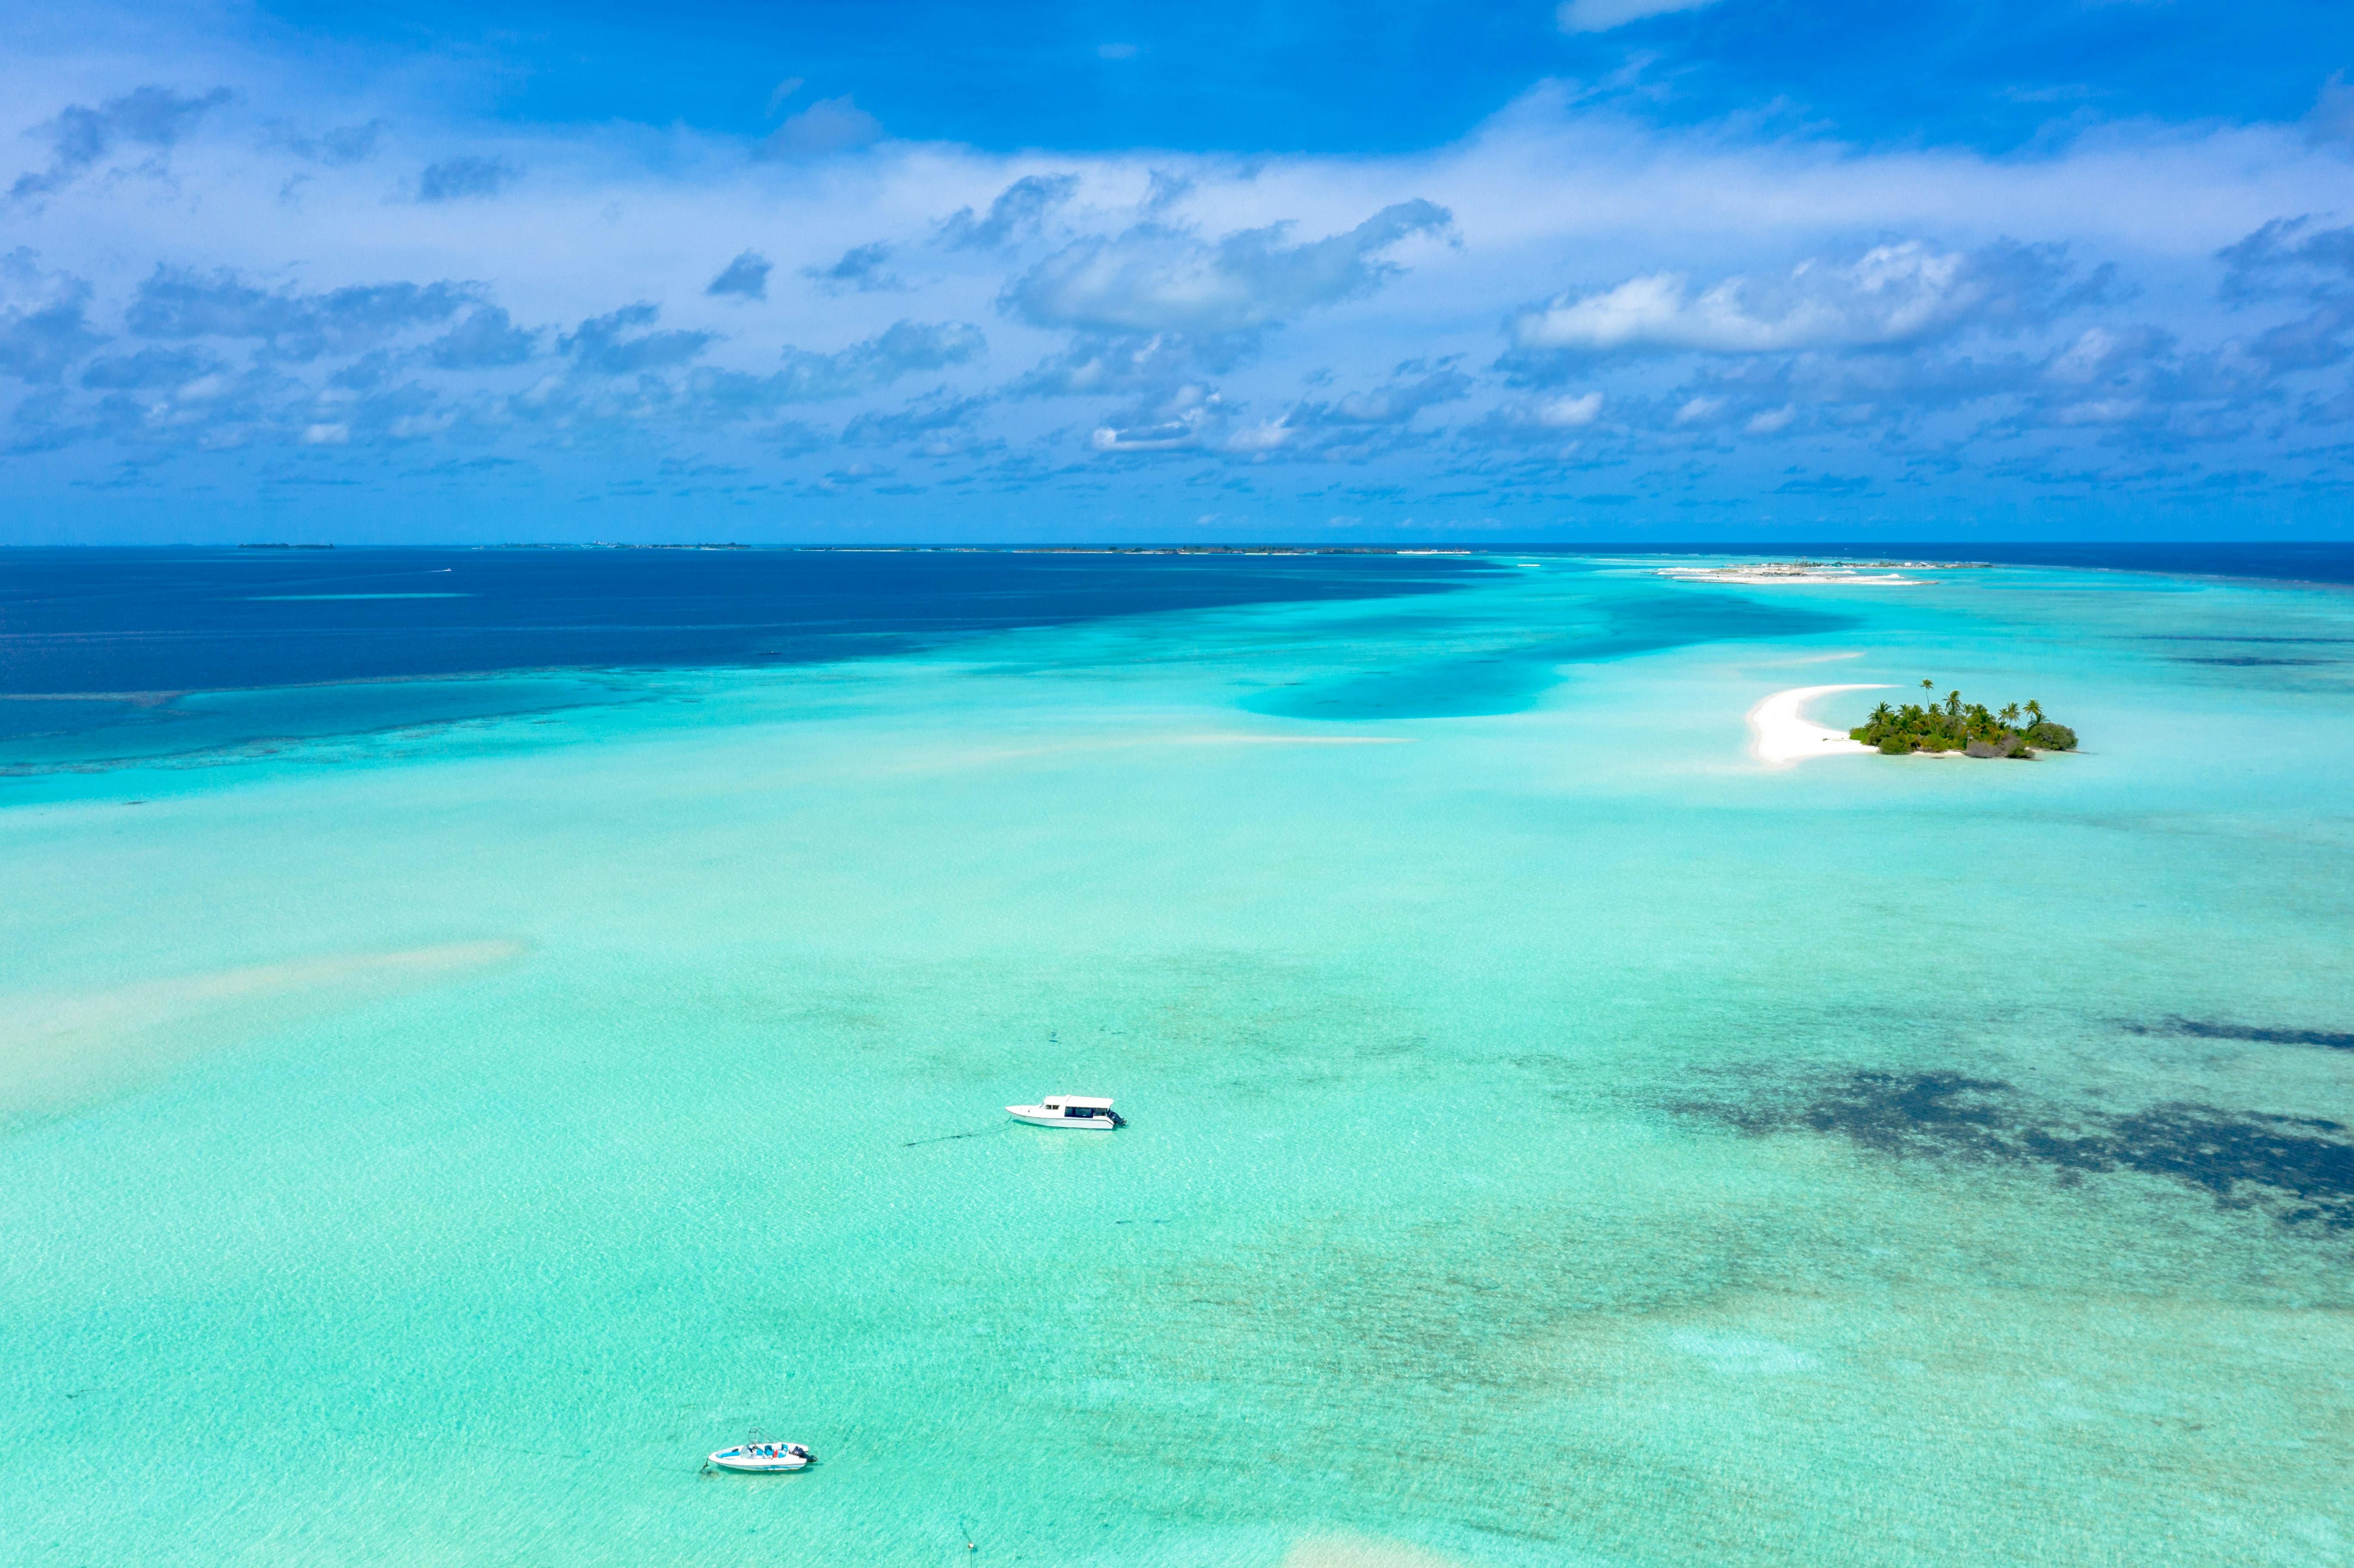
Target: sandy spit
x,y
1780,735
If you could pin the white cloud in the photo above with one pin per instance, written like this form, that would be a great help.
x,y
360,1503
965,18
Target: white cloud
x,y
1566,413
1168,438
1399,401
1019,213
1256,439
1601,15
1155,279
44,326
2332,117
464,178
1891,294
828,126
83,137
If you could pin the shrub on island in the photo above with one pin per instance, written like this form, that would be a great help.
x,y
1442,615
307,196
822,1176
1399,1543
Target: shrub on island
x,y
1970,728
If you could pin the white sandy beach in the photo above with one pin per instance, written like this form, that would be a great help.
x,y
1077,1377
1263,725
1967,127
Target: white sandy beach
x,y
1781,736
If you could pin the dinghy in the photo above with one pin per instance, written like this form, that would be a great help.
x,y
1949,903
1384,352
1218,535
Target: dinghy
x,y
760,1455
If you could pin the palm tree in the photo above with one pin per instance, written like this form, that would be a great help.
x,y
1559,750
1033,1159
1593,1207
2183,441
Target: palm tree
x,y
2035,711
2010,715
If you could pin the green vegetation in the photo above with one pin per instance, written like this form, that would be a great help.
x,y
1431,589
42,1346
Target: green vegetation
x,y
1969,727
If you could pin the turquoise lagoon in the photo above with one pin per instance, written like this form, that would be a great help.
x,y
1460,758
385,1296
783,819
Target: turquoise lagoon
x,y
1556,1138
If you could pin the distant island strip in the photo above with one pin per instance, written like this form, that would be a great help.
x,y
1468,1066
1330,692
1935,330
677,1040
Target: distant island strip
x,y
1852,574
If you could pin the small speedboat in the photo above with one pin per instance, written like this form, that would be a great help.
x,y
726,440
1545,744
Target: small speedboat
x,y
759,1455
1075,1113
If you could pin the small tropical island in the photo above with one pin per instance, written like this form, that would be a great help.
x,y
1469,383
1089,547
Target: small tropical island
x,y
2018,730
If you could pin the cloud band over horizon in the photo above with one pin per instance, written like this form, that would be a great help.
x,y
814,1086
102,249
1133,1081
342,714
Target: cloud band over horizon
x,y
378,318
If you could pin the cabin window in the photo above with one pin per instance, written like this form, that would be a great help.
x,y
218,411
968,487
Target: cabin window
x,y
1079,1112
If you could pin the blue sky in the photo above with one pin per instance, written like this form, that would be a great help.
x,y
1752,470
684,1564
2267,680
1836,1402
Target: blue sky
x,y
1607,269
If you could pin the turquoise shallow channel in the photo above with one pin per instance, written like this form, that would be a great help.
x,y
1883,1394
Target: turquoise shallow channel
x,y
1556,1138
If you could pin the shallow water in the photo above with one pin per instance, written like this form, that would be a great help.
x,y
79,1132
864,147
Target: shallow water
x,y
1555,1137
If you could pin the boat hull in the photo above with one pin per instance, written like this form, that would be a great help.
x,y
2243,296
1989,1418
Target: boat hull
x,y
1037,1117
754,1465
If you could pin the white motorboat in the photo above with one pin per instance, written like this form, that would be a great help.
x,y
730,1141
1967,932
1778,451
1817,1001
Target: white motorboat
x,y
758,1455
1072,1113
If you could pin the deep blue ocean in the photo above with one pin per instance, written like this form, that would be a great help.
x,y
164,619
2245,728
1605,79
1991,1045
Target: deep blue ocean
x,y
100,649
206,620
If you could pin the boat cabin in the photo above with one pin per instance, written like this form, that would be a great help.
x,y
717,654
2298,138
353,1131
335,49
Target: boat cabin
x,y
1076,1107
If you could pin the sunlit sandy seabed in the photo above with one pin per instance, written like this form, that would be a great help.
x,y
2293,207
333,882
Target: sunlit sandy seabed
x,y
1556,1137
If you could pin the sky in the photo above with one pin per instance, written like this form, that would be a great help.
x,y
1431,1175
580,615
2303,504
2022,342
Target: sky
x,y
1606,270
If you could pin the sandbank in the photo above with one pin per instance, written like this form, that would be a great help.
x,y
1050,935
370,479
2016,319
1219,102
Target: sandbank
x,y
1360,1551
1780,735
58,1050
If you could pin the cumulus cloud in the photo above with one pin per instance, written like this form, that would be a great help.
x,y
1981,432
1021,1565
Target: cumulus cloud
x,y
1601,15
608,344
1157,307
181,303
746,278
485,339
1123,365
861,268
337,146
715,396
1156,435
901,349
1169,437
1891,295
81,137
2332,119
1188,416
39,345
1545,421
1156,279
1570,412
2288,256
44,319
925,425
828,126
150,367
464,178
1394,403
1019,212
2311,341
1164,190
1353,427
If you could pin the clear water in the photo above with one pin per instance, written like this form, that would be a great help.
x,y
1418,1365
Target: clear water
x,y
1555,1139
